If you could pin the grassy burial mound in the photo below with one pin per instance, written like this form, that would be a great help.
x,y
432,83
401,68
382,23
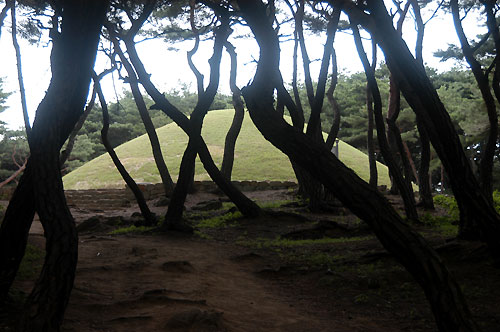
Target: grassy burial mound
x,y
255,158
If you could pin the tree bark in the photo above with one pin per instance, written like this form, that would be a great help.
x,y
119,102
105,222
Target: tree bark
x,y
239,114
424,181
309,186
334,129
173,217
72,58
407,246
20,79
3,13
411,78
14,230
149,218
405,190
166,179
392,109
295,107
372,161
488,152
242,202
369,141
72,137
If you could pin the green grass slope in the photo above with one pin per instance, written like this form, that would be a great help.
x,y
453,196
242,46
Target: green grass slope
x,y
255,158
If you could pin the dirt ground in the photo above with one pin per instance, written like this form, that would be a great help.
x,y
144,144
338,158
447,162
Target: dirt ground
x,y
273,273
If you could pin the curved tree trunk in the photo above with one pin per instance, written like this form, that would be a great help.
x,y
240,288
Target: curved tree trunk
x,y
149,218
370,142
296,110
372,161
394,106
173,217
243,203
3,12
14,230
405,190
72,58
232,136
334,129
166,179
308,185
239,114
407,246
415,85
424,181
20,79
72,137
488,152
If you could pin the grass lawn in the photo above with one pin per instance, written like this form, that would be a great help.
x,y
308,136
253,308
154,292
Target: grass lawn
x,y
255,158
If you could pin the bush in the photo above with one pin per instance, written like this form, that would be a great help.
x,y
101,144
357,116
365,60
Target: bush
x,y
449,203
496,200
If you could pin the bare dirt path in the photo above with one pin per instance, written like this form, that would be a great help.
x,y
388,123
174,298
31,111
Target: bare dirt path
x,y
226,279
182,283
164,283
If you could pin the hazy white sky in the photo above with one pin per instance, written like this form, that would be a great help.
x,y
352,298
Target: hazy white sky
x,y
169,67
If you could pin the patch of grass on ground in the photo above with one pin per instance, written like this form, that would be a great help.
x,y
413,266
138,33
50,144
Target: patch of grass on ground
x,y
287,243
444,224
32,262
132,230
219,221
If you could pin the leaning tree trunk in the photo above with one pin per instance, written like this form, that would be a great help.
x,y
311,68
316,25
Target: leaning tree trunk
x,y
297,112
424,180
424,183
415,85
14,230
149,218
72,59
242,202
372,161
334,129
166,179
405,190
482,80
407,246
370,142
239,114
3,13
173,217
20,79
72,137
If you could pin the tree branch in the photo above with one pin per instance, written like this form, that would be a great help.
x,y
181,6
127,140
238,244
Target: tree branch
x,y
8,5
22,91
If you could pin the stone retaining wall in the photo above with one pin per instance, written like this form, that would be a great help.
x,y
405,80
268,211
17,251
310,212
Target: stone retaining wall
x,y
106,199
155,190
